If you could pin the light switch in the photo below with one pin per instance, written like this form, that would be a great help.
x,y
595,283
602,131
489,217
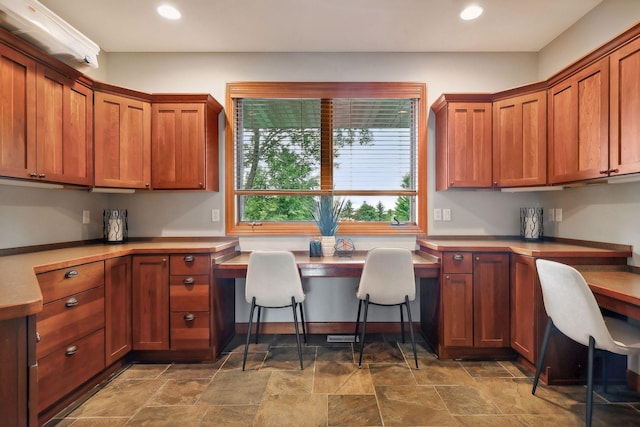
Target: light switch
x,y
446,214
558,215
215,215
437,214
551,214
86,216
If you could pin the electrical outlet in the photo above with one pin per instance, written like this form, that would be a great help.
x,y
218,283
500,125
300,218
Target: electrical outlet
x,y
215,215
551,214
86,217
558,215
446,214
437,214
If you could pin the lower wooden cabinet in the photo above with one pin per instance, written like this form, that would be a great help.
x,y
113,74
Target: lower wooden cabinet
x,y
171,302
118,332
474,306
150,302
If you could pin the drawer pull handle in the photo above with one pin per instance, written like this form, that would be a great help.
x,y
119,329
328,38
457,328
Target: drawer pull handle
x,y
37,336
71,350
189,317
458,257
188,281
71,273
189,258
71,302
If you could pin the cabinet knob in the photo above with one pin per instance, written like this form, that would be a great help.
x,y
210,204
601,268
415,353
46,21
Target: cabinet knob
x,y
189,258
458,257
33,175
447,277
164,260
70,274
604,172
41,175
38,337
189,317
201,184
71,350
147,185
188,281
71,302
477,258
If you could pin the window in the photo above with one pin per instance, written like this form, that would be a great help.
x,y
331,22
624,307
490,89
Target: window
x,y
363,143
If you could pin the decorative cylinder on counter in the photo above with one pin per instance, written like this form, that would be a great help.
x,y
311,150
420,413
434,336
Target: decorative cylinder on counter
x,y
531,223
115,225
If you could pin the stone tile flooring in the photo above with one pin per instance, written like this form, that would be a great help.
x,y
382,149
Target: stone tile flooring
x,y
332,391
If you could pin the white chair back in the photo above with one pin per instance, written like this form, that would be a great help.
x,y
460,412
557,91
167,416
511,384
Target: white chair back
x,y
273,278
388,276
571,305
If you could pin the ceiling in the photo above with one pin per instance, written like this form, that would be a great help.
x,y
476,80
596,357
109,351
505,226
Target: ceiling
x,y
321,25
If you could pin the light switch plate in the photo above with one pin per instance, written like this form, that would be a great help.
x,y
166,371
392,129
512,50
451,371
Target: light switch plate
x,y
215,215
558,215
437,214
551,212
86,216
446,214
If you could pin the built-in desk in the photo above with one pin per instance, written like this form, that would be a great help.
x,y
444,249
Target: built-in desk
x,y
618,291
227,269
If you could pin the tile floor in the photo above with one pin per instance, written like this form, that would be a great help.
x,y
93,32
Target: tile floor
x,y
332,391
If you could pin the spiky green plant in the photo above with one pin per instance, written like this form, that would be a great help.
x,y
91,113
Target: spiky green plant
x,y
326,214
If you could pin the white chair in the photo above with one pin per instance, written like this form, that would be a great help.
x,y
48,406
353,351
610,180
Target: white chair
x,y
273,281
573,310
387,279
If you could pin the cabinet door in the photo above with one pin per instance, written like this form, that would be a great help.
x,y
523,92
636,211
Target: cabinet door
x,y
491,300
469,145
151,302
520,140
523,306
624,142
117,308
579,125
64,129
457,310
178,153
17,114
122,142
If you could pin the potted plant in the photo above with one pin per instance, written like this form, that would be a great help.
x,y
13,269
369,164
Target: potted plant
x,y
326,214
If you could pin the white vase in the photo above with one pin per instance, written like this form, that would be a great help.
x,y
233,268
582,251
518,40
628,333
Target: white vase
x,y
328,245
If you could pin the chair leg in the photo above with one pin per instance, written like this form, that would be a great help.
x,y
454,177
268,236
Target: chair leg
x,y
543,351
246,345
304,328
364,328
589,409
294,305
402,323
413,341
605,370
355,335
258,324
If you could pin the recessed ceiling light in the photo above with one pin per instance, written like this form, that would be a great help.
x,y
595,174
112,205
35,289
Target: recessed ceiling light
x,y
471,12
169,12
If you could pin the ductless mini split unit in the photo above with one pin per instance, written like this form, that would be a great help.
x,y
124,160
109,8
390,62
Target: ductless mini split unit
x,y
30,20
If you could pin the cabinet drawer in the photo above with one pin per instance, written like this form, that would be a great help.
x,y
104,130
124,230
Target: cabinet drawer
x,y
189,264
68,281
457,262
189,293
189,330
68,319
68,367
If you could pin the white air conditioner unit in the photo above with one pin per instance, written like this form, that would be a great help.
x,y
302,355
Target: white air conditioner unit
x,y
30,20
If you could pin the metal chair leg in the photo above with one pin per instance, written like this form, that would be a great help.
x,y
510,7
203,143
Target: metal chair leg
x,y
402,323
295,324
543,351
258,324
364,328
589,409
413,341
355,335
605,370
304,328
246,345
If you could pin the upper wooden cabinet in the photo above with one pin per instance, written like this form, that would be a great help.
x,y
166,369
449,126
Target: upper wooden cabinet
x,y
624,124
46,131
17,114
463,142
185,142
579,125
122,141
520,140
64,129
